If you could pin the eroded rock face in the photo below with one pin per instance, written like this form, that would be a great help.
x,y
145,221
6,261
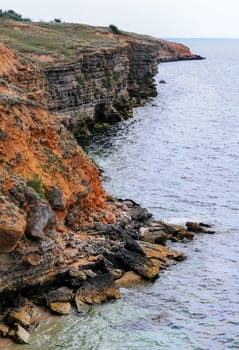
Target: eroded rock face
x,y
12,225
98,87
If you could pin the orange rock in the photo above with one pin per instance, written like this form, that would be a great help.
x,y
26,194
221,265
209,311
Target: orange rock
x,y
12,225
129,278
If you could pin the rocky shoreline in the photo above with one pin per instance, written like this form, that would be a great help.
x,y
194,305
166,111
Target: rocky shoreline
x,y
120,255
65,243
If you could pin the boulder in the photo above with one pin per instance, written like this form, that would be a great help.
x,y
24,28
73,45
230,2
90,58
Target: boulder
x,y
138,263
130,278
12,225
78,274
157,251
40,220
63,294
116,273
198,228
61,308
97,290
21,317
177,232
118,233
54,197
159,237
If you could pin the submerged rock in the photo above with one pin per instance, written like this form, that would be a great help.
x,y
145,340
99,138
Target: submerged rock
x,y
198,227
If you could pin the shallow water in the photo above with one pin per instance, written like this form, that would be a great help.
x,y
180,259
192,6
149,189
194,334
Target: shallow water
x,y
179,158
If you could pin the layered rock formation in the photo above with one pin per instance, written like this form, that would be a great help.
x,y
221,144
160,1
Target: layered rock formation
x,y
58,227
93,75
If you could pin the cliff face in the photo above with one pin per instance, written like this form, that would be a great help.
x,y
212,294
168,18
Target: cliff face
x,y
93,75
48,186
93,89
103,86
51,198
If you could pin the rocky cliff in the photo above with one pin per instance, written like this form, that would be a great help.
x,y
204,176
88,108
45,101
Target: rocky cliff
x,y
58,227
93,75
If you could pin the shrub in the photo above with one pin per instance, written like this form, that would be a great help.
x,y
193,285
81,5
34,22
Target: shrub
x,y
116,76
36,183
114,29
12,15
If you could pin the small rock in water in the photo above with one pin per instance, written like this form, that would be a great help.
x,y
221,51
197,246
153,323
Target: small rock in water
x,y
197,228
162,81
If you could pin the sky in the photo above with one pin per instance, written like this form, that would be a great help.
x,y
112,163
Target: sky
x,y
161,18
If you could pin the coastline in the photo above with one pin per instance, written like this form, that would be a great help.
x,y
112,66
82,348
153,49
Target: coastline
x,y
64,241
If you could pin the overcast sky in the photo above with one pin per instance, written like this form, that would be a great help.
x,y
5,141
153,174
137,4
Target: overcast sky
x,y
161,18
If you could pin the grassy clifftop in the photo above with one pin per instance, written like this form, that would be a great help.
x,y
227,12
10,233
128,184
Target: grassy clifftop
x,y
62,40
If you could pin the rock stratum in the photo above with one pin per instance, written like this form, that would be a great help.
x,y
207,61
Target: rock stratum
x,y
63,240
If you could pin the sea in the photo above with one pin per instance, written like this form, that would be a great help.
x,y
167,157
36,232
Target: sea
x,y
179,158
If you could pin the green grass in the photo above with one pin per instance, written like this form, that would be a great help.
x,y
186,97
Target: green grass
x,y
61,40
36,183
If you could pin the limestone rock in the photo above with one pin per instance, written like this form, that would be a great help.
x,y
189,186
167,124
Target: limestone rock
x,y
177,232
63,294
198,228
40,220
157,251
61,308
12,225
159,237
21,317
54,196
128,279
116,273
78,274
138,263
97,290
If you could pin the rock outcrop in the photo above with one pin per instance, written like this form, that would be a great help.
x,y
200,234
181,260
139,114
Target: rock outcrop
x,y
63,241
96,77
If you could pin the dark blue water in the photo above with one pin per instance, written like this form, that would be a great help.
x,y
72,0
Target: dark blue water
x,y
179,157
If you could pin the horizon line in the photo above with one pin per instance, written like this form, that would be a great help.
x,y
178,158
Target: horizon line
x,y
203,37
